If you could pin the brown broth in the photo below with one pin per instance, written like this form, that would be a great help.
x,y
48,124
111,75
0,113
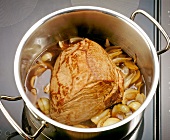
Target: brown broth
x,y
42,71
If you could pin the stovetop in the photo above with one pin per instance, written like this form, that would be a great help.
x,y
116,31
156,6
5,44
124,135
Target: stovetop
x,y
164,96
16,17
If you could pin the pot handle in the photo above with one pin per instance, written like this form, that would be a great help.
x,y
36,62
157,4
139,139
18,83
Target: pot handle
x,y
158,26
14,124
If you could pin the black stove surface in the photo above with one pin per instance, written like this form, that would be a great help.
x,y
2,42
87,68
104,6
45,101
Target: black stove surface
x,y
17,16
164,97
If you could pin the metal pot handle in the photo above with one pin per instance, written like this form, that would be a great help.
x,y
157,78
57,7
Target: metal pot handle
x,y
158,26
15,125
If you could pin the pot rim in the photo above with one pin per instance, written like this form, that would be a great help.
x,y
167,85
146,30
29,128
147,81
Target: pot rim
x,y
79,8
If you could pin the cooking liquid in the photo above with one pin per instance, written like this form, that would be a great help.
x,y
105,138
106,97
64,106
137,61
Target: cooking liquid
x,y
42,73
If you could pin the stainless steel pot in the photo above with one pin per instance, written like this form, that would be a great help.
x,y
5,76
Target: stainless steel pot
x,y
94,23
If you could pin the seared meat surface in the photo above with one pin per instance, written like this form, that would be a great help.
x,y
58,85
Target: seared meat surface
x,y
84,82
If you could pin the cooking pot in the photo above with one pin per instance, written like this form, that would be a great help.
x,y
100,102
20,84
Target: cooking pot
x,y
95,23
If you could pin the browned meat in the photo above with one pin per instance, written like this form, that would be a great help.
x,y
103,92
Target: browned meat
x,y
84,82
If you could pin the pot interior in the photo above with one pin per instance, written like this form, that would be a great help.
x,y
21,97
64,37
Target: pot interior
x,y
96,25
